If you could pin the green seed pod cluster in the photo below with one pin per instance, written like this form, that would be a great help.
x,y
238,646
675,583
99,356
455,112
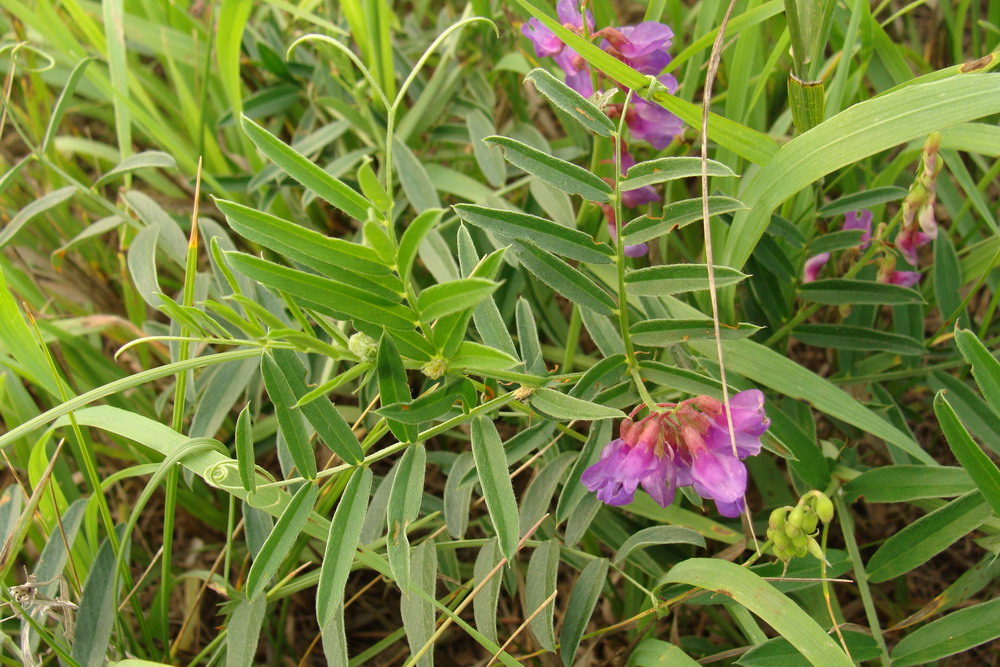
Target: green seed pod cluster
x,y
793,530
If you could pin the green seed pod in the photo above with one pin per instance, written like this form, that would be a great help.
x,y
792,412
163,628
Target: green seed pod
x,y
777,520
815,549
824,508
809,523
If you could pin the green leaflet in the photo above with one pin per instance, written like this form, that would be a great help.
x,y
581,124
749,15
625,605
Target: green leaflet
x,y
662,333
760,597
562,175
676,215
331,189
324,295
573,103
841,291
491,466
562,406
545,234
678,278
666,169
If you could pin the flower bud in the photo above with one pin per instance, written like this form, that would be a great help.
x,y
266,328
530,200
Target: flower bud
x,y
809,523
796,516
362,346
435,368
780,540
625,429
650,433
708,405
777,519
824,508
800,540
801,552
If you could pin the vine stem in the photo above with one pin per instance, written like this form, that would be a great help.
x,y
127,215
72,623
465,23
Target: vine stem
x,y
633,363
860,575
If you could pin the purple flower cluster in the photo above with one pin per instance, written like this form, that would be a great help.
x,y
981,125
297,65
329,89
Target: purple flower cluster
x,y
643,47
919,226
860,220
689,445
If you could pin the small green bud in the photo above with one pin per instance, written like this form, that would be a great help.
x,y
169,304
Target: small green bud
x,y
362,346
780,539
800,540
801,552
777,519
435,368
824,508
796,516
809,523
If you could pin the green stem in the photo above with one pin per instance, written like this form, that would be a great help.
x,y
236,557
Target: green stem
x,y
860,576
572,337
177,423
623,325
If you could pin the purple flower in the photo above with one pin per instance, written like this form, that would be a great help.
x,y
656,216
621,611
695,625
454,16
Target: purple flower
x,y
623,467
569,13
687,446
749,423
813,266
643,47
577,72
863,222
719,476
648,121
637,196
908,240
904,278
545,41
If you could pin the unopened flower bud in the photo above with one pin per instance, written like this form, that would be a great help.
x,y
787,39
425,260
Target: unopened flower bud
x,y
780,539
692,438
809,523
625,428
824,508
801,552
362,346
434,368
650,434
796,516
708,405
800,540
777,518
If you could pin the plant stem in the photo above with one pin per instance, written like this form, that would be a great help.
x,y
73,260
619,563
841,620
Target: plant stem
x,y
860,576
